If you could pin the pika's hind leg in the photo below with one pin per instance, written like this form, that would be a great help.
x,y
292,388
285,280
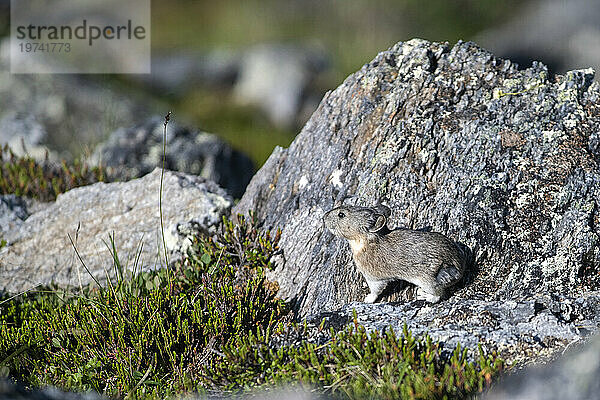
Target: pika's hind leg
x,y
376,288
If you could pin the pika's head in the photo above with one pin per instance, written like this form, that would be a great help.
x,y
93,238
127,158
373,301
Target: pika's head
x,y
352,222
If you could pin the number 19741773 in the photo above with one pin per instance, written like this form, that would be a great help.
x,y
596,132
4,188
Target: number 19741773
x,y
33,47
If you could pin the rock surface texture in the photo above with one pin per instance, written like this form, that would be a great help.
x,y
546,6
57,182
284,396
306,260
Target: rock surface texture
x,y
457,141
134,152
40,251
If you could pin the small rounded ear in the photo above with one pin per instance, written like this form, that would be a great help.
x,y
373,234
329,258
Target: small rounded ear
x,y
379,223
383,209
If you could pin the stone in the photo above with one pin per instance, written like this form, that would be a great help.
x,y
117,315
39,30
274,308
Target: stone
x,y
573,377
133,152
454,140
519,331
279,80
40,251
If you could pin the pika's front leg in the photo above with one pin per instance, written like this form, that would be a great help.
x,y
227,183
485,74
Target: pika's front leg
x,y
430,294
376,288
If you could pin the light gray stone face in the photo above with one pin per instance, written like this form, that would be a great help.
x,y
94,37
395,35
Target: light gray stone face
x,y
40,250
453,140
521,331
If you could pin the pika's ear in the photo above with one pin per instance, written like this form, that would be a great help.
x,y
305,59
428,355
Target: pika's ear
x,y
384,210
379,223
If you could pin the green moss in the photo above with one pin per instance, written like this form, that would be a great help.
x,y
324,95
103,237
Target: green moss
x,y
211,325
24,176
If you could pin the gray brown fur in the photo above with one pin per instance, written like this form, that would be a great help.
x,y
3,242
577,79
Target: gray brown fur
x,y
428,260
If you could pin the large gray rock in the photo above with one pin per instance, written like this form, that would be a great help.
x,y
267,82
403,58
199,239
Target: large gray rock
x,y
456,141
520,331
133,152
280,80
573,377
40,251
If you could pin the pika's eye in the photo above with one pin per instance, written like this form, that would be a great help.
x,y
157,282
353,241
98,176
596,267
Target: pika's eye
x,y
341,214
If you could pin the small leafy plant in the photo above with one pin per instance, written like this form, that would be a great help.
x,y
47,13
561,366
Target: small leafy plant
x,y
356,364
140,336
24,176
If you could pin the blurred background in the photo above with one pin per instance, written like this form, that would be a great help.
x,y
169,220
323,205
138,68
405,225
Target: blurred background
x,y
253,71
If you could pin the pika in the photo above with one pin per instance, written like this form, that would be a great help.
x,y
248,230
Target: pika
x,y
428,260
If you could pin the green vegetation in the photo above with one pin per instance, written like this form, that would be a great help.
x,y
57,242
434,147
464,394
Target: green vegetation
x,y
24,176
142,336
211,325
356,364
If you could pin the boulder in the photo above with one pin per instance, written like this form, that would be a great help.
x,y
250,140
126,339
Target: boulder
x,y
40,251
280,81
133,152
454,140
520,331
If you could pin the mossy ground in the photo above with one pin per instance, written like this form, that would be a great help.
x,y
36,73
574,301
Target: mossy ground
x,y
211,325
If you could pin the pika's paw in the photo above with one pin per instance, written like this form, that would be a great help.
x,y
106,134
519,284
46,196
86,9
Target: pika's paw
x,y
371,298
428,297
